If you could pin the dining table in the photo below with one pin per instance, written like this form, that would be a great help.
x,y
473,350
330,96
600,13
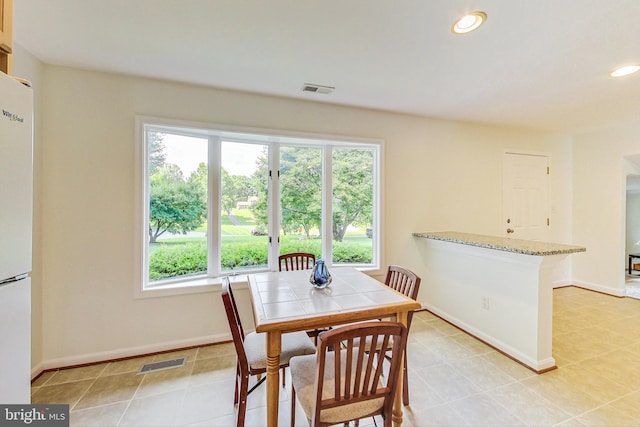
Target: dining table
x,y
286,301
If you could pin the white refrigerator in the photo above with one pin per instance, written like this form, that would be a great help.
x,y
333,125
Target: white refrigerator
x,y
16,207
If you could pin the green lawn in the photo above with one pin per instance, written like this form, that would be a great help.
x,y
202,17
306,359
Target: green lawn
x,y
244,216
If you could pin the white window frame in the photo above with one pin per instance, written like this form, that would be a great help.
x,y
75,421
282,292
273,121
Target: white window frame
x,y
274,139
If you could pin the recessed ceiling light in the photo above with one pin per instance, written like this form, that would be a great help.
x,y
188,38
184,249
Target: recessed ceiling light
x,y
625,70
469,22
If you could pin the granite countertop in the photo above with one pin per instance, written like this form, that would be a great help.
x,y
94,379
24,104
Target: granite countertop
x,y
527,247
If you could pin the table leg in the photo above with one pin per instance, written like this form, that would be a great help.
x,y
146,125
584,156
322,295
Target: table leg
x,y
397,400
273,383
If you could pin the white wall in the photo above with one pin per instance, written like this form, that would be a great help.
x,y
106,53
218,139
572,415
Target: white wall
x,y
600,169
438,175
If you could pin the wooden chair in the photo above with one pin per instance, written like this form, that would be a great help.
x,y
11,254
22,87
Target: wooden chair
x,y
296,261
299,261
408,283
252,353
335,387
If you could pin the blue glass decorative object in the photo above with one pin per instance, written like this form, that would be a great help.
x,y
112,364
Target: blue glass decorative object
x,y
320,276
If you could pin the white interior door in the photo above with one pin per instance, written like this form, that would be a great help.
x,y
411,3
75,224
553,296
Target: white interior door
x,y
525,195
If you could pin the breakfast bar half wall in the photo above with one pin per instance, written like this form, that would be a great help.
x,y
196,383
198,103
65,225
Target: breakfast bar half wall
x,y
497,289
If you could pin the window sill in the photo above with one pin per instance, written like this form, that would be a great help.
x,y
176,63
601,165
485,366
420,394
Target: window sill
x,y
207,285
195,286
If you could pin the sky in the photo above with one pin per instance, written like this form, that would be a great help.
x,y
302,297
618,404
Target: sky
x,y
188,152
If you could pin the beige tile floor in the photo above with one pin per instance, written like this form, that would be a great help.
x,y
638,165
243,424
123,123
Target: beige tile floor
x,y
632,286
455,380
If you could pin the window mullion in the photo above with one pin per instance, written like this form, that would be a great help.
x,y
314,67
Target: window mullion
x,y
377,222
146,191
274,205
213,215
327,209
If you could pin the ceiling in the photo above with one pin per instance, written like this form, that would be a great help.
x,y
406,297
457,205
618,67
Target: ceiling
x,y
538,64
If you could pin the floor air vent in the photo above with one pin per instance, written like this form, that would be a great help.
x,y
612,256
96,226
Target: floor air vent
x,y
161,365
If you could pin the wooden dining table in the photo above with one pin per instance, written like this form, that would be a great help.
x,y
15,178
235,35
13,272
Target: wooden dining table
x,y
286,302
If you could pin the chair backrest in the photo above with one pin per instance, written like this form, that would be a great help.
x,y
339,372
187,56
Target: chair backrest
x,y
404,281
233,317
296,261
358,384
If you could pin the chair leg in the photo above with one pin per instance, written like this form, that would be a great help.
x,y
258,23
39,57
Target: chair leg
x,y
242,406
283,378
293,406
236,393
405,382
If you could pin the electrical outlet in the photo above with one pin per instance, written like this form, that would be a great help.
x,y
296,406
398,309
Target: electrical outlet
x,y
485,303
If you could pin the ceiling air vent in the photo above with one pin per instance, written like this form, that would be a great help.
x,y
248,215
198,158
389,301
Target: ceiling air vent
x,y
309,87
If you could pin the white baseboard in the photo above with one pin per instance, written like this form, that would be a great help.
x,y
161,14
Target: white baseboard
x,y
599,288
36,370
125,352
536,365
562,283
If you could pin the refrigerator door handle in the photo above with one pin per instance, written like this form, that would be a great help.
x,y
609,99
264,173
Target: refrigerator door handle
x,y
14,279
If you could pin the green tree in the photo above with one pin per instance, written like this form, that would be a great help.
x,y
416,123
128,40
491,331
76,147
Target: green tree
x,y
157,155
176,205
200,176
258,186
244,187
229,193
300,184
352,189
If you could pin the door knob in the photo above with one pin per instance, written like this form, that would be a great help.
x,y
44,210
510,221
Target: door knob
x,y
510,230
